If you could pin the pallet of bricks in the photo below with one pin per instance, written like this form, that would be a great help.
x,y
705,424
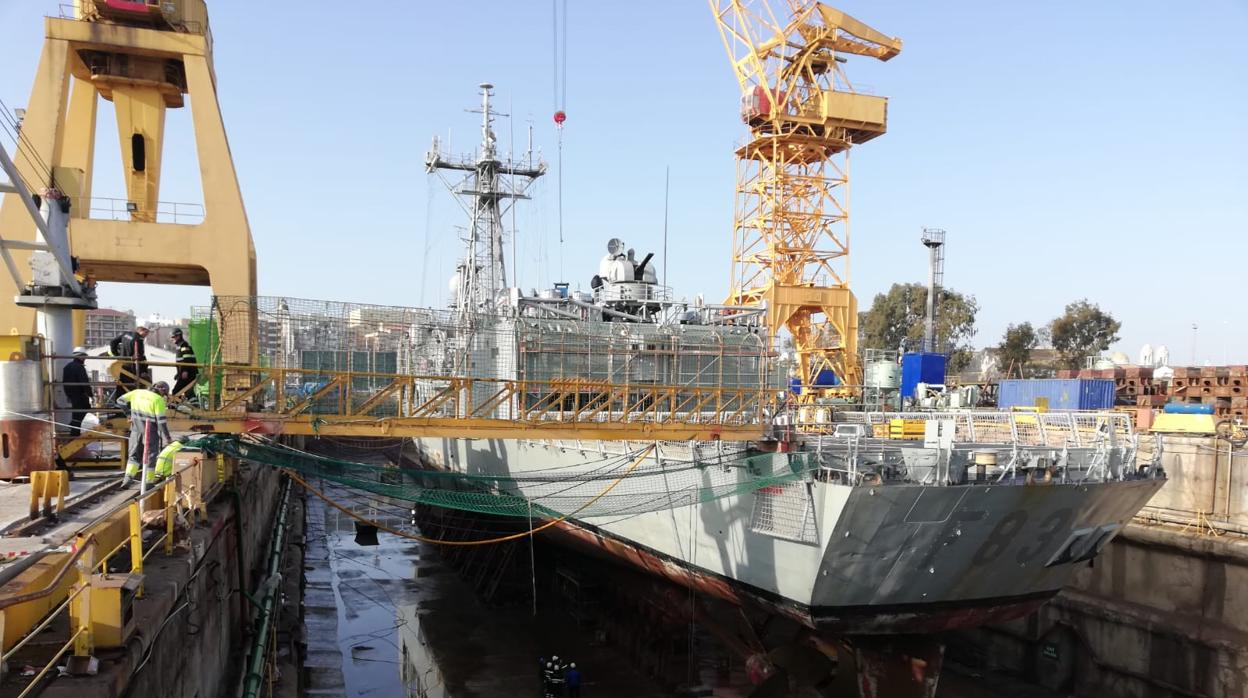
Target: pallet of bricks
x,y
1224,387
1133,385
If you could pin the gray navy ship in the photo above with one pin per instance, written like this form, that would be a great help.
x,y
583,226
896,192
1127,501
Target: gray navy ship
x,y
969,517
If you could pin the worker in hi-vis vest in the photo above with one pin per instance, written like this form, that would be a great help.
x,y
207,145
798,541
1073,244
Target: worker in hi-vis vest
x,y
164,461
148,426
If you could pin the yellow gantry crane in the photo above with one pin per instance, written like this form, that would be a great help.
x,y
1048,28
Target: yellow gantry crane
x,y
791,227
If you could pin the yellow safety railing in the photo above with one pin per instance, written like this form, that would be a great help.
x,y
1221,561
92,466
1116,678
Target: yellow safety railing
x,y
352,403
189,489
365,403
81,561
295,391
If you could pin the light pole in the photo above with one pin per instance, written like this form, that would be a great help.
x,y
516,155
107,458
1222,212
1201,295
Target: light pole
x,y
1194,328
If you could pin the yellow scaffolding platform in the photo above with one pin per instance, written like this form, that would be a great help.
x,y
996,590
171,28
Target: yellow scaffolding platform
x,y
393,405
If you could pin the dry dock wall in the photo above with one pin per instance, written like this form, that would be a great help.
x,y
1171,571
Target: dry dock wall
x,y
1208,483
190,624
1162,613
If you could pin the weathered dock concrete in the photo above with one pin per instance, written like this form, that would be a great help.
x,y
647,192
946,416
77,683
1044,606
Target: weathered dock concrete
x,y
1163,611
192,619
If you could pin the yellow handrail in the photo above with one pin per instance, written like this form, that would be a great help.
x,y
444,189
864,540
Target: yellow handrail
x,y
38,628
56,581
51,663
176,486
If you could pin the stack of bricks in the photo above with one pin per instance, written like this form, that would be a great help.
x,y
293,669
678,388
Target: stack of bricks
x,y
1133,385
1224,387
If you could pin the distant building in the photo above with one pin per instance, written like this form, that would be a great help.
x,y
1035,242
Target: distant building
x,y
160,330
105,323
162,335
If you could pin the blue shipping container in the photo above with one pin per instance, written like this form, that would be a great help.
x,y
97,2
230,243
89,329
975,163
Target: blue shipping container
x,y
825,379
1061,393
1184,408
920,367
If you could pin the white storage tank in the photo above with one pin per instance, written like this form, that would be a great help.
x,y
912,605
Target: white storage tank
x,y
883,374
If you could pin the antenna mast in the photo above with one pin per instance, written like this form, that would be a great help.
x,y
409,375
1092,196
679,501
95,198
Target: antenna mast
x,y
481,275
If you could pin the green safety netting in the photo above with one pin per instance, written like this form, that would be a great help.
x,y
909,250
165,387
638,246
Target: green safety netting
x,y
681,474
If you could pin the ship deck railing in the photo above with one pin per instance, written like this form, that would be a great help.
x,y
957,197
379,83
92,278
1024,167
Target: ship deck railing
x,y
973,447
1048,429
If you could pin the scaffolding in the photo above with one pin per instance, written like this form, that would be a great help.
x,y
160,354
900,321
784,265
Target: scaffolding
x,y
386,367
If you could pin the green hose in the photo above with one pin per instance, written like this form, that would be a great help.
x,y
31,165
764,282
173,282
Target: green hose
x,y
254,678
239,544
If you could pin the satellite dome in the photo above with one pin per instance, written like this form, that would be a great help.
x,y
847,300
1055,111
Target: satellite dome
x,y
1163,355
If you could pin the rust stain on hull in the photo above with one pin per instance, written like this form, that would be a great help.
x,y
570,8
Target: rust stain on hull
x,y
854,621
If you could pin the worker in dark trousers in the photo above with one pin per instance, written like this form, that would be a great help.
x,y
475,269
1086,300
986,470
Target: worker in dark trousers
x,y
548,681
131,352
573,678
557,678
77,386
187,375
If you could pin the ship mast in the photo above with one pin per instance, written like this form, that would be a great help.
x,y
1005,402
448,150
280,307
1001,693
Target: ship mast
x,y
488,180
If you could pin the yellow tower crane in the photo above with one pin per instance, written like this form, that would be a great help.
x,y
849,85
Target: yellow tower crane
x,y
791,227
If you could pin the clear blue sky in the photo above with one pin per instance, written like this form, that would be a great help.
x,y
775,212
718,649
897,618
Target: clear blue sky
x,y
1071,149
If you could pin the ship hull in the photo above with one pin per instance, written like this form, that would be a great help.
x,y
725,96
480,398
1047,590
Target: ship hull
x,y
846,559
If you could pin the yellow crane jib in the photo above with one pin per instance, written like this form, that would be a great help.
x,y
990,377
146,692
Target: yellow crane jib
x,y
791,227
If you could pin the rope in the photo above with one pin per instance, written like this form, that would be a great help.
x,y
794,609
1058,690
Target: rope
x,y
53,422
488,541
559,41
29,152
552,493
559,199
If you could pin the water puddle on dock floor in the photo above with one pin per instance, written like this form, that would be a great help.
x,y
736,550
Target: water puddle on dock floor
x,y
395,619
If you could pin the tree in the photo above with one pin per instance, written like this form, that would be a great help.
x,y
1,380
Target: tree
x,y
1014,351
1083,330
896,317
